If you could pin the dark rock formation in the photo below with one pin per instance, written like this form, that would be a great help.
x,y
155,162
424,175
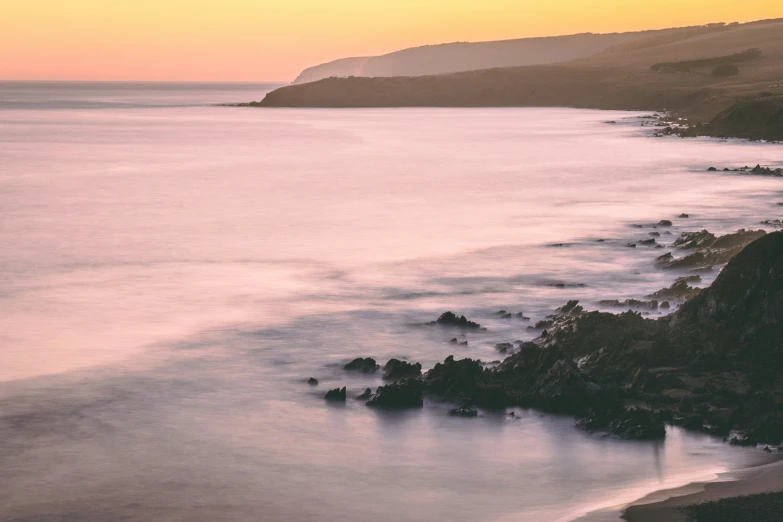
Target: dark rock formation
x,y
715,365
754,119
638,424
504,347
312,381
402,394
366,394
710,250
360,364
694,240
337,394
630,303
757,170
451,319
396,369
680,290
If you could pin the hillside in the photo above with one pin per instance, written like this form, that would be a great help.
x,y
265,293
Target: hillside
x,y
471,56
624,77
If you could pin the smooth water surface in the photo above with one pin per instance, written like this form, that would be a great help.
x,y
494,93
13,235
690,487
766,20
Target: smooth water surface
x,y
172,272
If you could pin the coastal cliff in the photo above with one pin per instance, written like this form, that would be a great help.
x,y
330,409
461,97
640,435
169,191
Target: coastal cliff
x,y
696,77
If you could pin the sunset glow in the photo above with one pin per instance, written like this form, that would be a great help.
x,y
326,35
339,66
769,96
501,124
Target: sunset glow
x,y
249,40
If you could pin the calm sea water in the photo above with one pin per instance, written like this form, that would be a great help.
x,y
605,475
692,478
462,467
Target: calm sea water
x,y
172,271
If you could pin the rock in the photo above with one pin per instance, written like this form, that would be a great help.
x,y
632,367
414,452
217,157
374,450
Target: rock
x,y
664,260
454,341
683,216
680,290
523,316
638,424
655,234
742,312
463,412
712,169
360,364
664,223
571,308
312,381
504,347
337,394
630,303
689,240
451,319
396,369
364,395
456,378
647,242
665,305
718,251
401,394
631,245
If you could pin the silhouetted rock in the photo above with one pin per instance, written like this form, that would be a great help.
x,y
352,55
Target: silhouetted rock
x,y
664,223
337,394
365,394
638,424
401,394
629,303
451,319
504,347
716,251
680,290
683,216
694,240
312,381
396,369
360,364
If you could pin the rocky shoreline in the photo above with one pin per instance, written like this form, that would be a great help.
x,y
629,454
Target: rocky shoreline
x,y
714,365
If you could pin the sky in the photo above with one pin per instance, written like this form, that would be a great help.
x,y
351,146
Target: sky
x,y
273,40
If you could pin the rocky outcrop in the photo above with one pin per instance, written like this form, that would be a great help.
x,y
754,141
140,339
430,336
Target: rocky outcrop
x,y
752,119
395,370
680,290
364,365
709,251
629,303
402,394
715,365
452,319
337,395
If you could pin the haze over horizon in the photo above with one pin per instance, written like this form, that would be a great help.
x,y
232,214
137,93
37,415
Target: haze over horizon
x,y
246,40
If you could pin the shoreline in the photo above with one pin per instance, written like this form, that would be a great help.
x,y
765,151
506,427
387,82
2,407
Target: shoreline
x,y
667,504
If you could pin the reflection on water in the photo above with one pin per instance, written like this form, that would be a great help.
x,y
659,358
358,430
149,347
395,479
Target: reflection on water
x,y
171,277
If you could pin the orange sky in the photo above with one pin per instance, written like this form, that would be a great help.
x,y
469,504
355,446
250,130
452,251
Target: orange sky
x,y
256,40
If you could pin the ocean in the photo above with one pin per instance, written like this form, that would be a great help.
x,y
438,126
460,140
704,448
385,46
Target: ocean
x,y
173,271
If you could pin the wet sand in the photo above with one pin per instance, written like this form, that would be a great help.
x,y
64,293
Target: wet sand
x,y
667,504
